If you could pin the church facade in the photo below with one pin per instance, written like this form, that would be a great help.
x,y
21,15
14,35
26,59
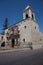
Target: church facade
x,y
25,33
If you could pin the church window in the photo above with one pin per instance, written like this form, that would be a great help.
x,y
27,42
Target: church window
x,y
32,16
2,37
23,40
26,16
35,27
25,27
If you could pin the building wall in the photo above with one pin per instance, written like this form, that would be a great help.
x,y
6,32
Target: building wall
x,y
25,32
2,39
31,33
34,26
37,36
28,30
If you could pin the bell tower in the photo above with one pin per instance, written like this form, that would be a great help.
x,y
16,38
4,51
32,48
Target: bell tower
x,y
28,13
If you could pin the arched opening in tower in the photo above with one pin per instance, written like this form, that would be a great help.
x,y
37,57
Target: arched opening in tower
x,y
26,16
32,16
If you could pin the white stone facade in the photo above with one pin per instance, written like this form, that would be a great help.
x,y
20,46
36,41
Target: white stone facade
x,y
25,33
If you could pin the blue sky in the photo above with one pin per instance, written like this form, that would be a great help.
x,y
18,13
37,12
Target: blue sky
x,y
13,10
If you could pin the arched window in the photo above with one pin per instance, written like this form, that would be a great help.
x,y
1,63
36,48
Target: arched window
x,y
26,16
32,16
25,27
2,37
3,44
35,27
24,40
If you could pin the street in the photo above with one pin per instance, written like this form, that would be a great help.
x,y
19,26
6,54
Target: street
x,y
26,57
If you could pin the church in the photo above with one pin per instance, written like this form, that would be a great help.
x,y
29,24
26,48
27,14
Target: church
x,y
24,34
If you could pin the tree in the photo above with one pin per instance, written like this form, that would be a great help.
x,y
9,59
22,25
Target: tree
x,y
5,25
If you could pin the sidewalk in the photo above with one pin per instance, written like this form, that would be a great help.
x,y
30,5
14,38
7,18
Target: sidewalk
x,y
13,50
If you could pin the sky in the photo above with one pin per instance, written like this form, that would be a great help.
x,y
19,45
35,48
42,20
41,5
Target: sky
x,y
13,10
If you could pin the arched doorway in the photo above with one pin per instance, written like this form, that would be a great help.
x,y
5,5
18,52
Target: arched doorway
x,y
13,42
3,44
